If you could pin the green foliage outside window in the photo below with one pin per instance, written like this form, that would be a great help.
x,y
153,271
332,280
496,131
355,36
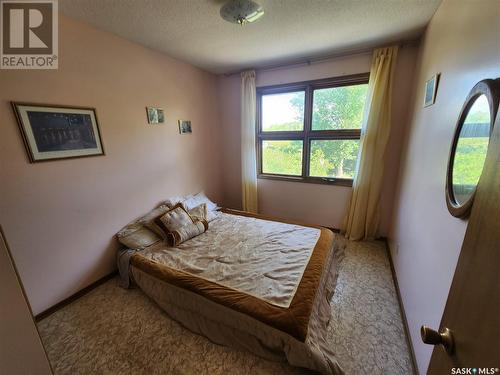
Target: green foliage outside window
x,y
333,109
282,157
333,158
469,160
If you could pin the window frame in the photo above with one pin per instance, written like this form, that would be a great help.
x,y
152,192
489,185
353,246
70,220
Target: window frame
x,y
307,134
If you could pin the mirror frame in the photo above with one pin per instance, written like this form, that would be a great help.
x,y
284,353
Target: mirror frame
x,y
490,89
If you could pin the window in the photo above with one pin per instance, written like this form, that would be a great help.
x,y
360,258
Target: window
x,y
289,117
310,131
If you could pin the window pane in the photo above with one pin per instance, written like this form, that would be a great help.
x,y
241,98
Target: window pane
x,y
283,112
282,157
333,158
339,107
471,149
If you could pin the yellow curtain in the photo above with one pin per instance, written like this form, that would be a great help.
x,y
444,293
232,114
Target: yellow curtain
x,y
248,155
362,219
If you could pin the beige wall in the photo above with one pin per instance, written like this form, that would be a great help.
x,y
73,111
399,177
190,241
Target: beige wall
x,y
461,42
21,350
312,203
60,216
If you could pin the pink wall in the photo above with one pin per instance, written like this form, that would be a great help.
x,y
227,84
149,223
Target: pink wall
x,y
60,216
461,42
312,203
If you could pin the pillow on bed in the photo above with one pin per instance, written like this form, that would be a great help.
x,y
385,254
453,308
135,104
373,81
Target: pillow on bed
x,y
178,226
136,237
187,232
198,199
172,201
199,212
202,213
174,219
160,210
148,219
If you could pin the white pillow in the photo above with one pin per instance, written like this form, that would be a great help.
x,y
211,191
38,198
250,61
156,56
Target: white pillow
x,y
172,201
198,199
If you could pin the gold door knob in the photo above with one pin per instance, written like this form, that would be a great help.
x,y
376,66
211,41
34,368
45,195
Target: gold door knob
x,y
432,337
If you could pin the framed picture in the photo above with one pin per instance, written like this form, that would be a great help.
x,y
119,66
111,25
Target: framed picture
x,y
155,115
58,132
431,90
161,115
185,127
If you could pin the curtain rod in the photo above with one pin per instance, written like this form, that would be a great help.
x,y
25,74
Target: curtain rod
x,y
310,61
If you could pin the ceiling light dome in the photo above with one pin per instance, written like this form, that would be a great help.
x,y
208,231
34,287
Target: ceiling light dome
x,y
241,11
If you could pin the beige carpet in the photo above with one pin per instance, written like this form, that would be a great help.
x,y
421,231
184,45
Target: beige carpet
x,y
117,331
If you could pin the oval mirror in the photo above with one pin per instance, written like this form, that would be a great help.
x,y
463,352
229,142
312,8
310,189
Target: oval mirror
x,y
469,147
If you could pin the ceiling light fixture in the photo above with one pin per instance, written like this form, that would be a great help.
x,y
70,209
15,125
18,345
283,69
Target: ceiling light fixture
x,y
241,11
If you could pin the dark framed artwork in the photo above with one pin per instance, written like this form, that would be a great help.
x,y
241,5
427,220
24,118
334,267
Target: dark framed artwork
x,y
185,127
58,132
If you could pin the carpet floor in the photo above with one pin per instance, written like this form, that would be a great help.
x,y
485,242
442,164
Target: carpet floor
x,y
115,331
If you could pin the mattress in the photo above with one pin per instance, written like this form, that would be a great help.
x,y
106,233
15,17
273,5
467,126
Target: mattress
x,y
250,282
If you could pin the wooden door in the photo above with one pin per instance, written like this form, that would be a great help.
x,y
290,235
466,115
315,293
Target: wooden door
x,y
21,350
472,312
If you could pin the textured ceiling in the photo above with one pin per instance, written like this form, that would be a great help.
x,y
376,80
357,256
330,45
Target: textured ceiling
x,y
290,30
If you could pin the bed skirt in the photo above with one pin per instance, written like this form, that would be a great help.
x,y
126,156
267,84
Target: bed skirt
x,y
225,326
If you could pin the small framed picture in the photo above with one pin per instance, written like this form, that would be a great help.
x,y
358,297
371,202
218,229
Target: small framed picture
x,y
58,132
161,115
430,90
155,115
185,127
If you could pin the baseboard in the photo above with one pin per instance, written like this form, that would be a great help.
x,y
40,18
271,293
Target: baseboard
x,y
401,308
74,297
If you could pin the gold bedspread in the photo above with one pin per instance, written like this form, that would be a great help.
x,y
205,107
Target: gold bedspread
x,y
277,290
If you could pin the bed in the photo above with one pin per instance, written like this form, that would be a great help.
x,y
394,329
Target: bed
x,y
250,282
